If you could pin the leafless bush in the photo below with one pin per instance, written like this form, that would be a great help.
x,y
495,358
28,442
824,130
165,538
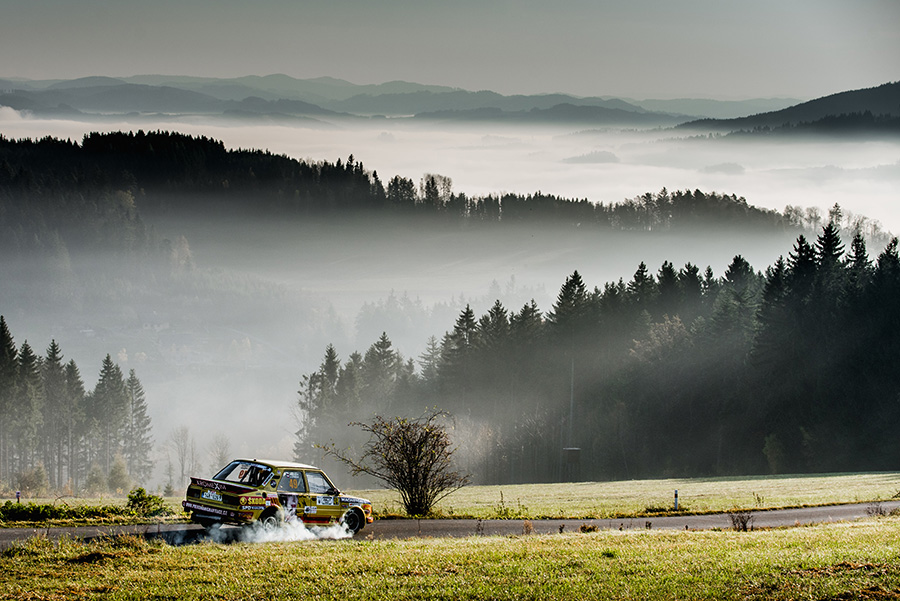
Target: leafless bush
x,y
412,456
527,527
876,510
741,520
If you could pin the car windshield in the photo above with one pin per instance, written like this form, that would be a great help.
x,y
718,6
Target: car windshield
x,y
244,472
318,483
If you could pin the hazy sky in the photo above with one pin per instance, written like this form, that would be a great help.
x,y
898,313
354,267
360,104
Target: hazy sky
x,y
637,48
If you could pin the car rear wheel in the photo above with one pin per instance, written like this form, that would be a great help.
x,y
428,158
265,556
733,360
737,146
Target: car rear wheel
x,y
353,521
271,519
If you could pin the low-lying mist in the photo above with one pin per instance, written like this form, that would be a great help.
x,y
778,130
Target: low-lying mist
x,y
231,364
484,158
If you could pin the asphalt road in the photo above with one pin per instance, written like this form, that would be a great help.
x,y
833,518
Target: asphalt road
x,y
392,529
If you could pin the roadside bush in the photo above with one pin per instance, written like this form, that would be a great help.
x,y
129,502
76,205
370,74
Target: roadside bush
x,y
145,504
32,512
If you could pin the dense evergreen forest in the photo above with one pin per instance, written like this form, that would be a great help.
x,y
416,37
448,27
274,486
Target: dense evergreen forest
x,y
677,373
56,434
59,195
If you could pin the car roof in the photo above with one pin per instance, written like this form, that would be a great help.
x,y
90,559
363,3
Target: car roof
x,y
281,463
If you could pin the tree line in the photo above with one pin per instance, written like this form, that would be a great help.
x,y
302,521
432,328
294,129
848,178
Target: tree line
x,y
58,195
677,373
56,434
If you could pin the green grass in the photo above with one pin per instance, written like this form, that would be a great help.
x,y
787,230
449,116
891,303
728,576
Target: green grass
x,y
602,500
652,497
834,561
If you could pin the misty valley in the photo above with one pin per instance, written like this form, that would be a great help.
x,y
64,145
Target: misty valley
x,y
552,285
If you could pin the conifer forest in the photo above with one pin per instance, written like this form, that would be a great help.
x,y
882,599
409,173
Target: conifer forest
x,y
673,371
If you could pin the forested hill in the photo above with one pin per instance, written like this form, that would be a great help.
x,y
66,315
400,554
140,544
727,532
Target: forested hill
x,y
99,188
669,375
869,109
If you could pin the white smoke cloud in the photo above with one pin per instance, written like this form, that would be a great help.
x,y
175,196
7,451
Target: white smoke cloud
x,y
289,532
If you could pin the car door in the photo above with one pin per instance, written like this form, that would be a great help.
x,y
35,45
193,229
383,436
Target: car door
x,y
322,501
291,494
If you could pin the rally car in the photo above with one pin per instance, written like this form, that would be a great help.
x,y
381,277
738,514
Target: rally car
x,y
272,492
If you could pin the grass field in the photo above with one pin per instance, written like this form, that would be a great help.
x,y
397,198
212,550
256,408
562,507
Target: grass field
x,y
835,561
648,497
626,498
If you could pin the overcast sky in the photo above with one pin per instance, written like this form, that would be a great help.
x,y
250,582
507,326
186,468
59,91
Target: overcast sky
x,y
637,48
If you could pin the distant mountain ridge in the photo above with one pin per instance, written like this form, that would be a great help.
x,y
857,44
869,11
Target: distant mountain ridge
x,y
279,97
394,98
883,100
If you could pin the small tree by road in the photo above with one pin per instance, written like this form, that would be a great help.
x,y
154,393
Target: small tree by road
x,y
412,456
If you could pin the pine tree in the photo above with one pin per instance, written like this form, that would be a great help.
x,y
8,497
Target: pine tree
x,y
801,273
329,371
774,322
429,361
458,356
492,355
109,409
54,414
8,369
690,285
118,482
138,446
829,252
27,408
75,425
641,288
570,308
859,266
380,369
349,382
669,299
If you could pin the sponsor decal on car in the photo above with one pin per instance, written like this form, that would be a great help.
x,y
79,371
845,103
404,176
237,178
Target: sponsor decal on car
x,y
210,484
324,500
206,509
211,495
254,501
310,509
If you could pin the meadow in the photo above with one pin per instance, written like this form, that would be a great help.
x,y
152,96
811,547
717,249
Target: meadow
x,y
597,500
833,561
652,497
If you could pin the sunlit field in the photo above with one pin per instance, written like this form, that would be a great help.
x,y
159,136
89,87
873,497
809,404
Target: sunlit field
x,y
613,499
857,560
636,497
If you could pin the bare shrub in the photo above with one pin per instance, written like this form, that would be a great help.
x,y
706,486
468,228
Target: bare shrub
x,y
412,456
527,527
876,510
741,520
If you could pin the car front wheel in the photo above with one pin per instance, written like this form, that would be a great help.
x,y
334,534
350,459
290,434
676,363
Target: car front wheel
x,y
353,521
